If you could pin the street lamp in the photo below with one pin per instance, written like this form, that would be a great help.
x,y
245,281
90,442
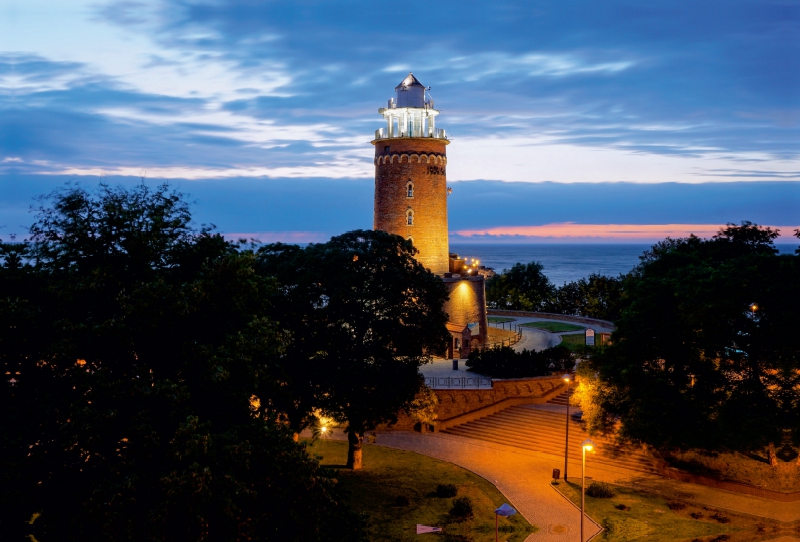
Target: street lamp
x,y
585,445
567,379
753,308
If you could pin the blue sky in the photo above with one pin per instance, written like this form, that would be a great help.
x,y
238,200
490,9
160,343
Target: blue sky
x,y
560,112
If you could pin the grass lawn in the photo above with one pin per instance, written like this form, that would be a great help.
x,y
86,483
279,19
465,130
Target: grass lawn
x,y
554,327
500,319
574,342
752,468
388,474
652,518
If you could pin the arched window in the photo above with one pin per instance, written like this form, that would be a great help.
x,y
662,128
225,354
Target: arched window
x,y
410,217
410,190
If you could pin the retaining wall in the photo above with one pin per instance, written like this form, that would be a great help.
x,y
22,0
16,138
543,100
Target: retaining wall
x,y
458,406
553,316
665,470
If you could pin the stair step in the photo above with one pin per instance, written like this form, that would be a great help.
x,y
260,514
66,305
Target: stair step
x,y
596,460
543,431
556,447
546,432
562,398
555,441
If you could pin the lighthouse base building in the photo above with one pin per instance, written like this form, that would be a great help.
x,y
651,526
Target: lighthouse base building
x,y
411,201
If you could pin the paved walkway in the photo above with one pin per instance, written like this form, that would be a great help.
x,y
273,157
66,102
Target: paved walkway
x,y
538,339
532,339
443,368
524,477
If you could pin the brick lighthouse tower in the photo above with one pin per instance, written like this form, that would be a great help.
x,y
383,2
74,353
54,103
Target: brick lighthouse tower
x,y
411,201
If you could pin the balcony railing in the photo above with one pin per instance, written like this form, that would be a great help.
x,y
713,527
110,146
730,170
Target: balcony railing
x,y
438,133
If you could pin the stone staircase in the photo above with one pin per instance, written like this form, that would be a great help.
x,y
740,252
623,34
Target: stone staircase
x,y
541,429
561,399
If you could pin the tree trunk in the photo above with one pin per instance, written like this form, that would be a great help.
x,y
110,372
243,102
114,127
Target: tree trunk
x,y
354,449
773,457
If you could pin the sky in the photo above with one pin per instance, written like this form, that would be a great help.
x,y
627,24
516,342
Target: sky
x,y
569,120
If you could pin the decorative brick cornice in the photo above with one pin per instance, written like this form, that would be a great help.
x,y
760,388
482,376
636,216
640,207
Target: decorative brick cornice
x,y
413,158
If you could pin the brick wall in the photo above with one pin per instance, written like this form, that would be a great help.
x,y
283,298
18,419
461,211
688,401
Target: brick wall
x,y
462,405
423,162
453,403
553,316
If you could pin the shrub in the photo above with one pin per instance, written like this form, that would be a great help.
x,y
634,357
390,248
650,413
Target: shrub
x,y
622,507
446,490
676,505
462,507
719,517
696,515
600,490
401,500
721,538
505,362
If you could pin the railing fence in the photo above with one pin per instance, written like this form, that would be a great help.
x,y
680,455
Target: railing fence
x,y
447,382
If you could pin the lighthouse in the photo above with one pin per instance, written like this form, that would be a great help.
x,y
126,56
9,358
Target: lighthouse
x,y
411,201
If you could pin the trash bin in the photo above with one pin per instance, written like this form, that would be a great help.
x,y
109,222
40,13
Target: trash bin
x,y
455,364
556,474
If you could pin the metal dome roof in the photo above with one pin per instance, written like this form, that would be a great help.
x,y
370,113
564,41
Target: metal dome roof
x,y
409,81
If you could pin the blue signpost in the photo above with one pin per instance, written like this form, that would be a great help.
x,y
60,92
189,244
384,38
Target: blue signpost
x,y
504,511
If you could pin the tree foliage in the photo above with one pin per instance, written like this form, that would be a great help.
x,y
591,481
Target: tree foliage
x,y
365,315
596,296
693,363
525,287
138,354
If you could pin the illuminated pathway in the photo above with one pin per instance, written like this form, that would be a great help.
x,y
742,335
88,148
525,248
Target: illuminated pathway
x,y
522,476
538,339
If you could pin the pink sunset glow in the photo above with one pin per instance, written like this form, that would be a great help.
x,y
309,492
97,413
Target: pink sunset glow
x,y
611,232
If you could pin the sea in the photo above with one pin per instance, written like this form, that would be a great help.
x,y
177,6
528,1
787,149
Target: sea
x,y
564,262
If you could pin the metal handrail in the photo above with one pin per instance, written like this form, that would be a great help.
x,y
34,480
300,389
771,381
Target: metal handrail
x,y
504,342
446,382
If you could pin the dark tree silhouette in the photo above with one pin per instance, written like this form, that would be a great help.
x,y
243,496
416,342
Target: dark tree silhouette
x,y
364,315
693,363
142,358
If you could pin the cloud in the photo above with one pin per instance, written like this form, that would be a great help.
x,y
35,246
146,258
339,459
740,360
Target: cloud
x,y
587,92
557,159
278,208
338,170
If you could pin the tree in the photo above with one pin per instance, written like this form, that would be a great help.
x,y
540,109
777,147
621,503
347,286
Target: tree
x,y
602,296
523,287
692,364
365,315
597,296
143,355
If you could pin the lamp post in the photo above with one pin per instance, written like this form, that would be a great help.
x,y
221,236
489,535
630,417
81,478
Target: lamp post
x,y
753,308
567,379
585,445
